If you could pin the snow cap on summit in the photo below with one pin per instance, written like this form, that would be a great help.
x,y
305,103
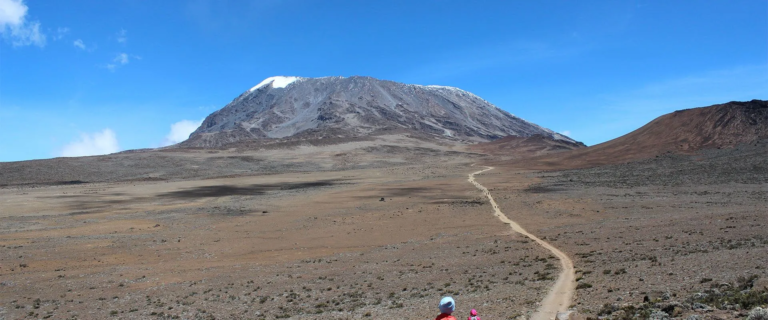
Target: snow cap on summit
x,y
277,82
354,107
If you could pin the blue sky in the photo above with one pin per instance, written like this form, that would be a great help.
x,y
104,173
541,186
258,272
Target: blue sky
x,y
84,77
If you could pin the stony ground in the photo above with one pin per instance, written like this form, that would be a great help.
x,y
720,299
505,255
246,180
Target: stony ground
x,y
382,232
301,245
671,227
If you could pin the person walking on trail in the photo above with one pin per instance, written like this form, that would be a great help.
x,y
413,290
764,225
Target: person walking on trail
x,y
473,315
446,306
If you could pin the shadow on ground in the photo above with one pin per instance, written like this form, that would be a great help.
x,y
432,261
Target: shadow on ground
x,y
93,203
254,189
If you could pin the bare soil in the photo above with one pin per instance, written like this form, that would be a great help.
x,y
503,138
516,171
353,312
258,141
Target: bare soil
x,y
373,230
300,245
673,226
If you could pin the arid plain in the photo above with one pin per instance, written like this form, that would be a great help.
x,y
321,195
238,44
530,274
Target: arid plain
x,y
367,230
335,243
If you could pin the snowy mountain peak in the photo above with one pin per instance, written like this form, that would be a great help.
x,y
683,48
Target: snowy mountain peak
x,y
358,106
443,87
277,82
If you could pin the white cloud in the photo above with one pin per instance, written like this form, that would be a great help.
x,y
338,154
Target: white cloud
x,y
28,34
15,27
12,12
565,132
120,60
180,131
97,143
121,36
79,43
60,33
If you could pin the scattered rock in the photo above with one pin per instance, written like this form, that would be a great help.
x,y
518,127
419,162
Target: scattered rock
x,y
655,296
700,307
659,315
673,309
699,295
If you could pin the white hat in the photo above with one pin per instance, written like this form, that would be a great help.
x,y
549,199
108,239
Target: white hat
x,y
447,305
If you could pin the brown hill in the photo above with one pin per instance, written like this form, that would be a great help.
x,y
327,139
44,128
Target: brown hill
x,y
518,147
684,132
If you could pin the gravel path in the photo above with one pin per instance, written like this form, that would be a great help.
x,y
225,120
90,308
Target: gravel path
x,y
560,296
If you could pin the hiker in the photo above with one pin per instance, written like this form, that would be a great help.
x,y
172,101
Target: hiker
x,y
447,305
473,315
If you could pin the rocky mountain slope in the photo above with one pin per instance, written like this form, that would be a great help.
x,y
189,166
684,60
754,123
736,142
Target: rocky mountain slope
x,y
333,107
683,132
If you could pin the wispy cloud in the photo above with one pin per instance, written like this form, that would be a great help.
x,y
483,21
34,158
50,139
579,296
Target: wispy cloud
x,y
60,33
565,132
180,131
97,143
79,44
120,60
122,36
15,27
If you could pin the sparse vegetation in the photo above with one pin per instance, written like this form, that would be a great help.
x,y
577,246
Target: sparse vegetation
x,y
758,314
583,285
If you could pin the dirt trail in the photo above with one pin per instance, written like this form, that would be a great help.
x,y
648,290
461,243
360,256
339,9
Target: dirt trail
x,y
559,297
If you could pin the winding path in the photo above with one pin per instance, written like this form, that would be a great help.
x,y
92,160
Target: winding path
x,y
559,297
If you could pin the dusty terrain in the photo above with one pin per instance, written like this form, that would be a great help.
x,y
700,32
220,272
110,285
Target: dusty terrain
x,y
380,228
671,228
356,243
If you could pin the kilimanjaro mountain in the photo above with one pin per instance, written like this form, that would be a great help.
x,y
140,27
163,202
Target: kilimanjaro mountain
x,y
339,107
